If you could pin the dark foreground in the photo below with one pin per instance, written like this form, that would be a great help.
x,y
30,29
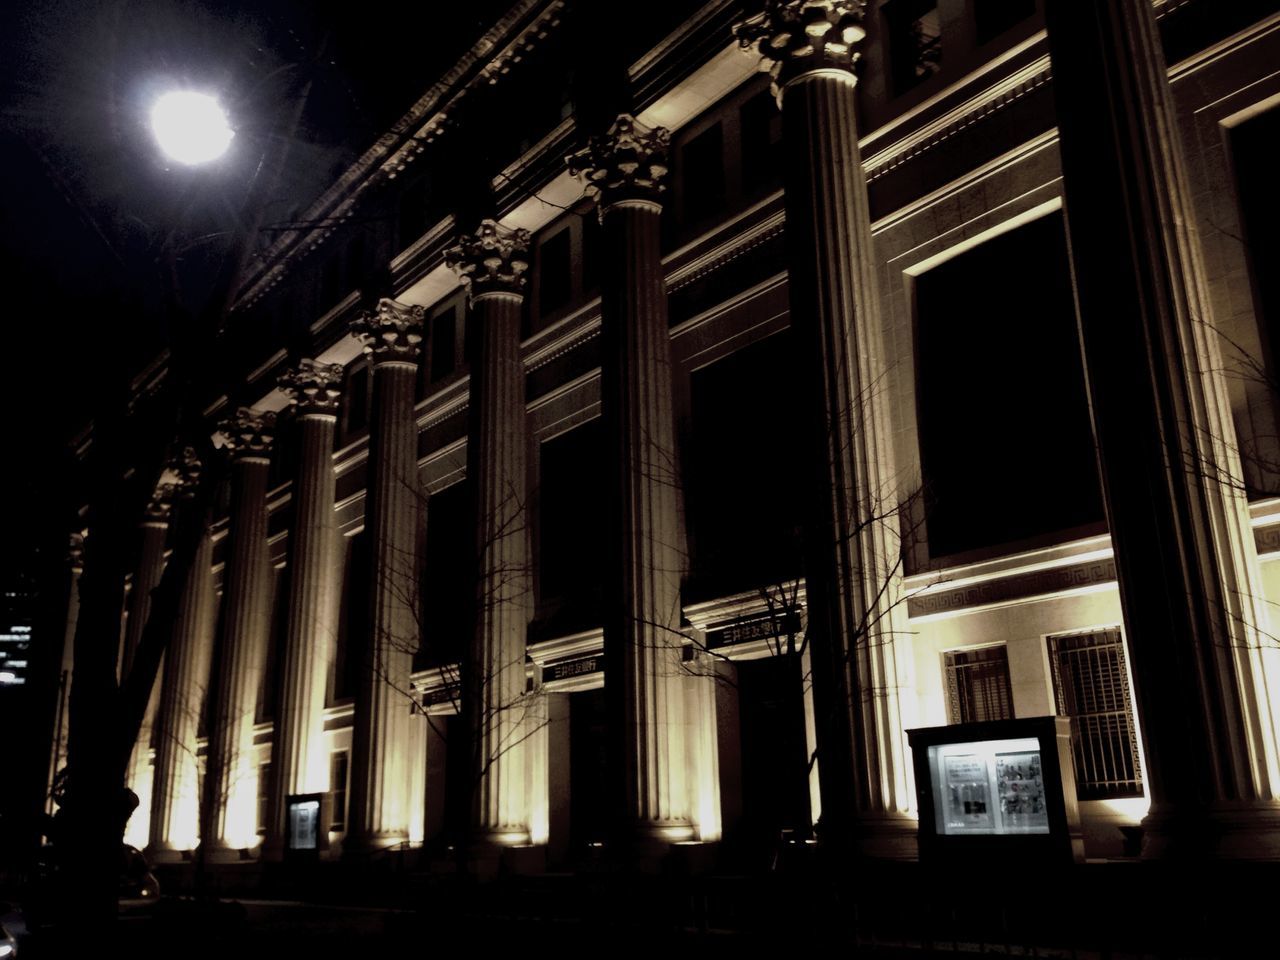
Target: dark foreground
x,y
1111,910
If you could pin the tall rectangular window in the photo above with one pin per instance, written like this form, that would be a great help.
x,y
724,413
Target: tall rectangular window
x,y
338,789
554,273
1091,686
702,166
264,794
760,124
915,42
444,344
978,685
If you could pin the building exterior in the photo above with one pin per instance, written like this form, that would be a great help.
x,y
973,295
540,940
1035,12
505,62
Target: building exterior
x,y
652,497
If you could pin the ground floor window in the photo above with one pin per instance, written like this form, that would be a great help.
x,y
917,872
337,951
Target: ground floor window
x,y
264,791
978,685
1091,686
338,788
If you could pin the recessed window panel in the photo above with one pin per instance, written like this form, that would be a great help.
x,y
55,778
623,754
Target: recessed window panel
x,y
1005,438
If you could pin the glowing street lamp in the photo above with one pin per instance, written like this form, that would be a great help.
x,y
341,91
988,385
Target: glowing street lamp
x,y
190,127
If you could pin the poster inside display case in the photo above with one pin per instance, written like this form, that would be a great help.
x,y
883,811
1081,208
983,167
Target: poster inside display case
x,y
990,788
1004,785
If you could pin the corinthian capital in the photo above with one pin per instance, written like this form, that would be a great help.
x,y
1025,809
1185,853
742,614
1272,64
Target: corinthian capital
x,y
75,551
629,162
247,434
799,36
390,331
161,503
313,387
491,260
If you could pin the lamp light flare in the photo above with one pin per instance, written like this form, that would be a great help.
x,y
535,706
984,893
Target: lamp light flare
x,y
190,127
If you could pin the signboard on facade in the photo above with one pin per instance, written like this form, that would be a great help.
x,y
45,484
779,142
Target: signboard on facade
x,y
777,627
582,667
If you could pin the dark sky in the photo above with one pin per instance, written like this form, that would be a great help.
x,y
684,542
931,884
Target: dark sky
x,y
91,210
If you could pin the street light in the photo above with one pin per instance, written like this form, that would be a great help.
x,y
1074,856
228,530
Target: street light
x,y
190,127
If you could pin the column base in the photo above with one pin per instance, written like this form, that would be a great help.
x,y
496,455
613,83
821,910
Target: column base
x,y
889,837
1220,832
167,854
374,845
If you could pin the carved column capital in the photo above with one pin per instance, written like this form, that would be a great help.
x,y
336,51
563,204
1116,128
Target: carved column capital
x,y
248,434
313,387
390,332
160,506
491,260
75,552
796,37
629,162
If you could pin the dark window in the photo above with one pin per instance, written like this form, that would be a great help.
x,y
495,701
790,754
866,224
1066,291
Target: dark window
x,y
1005,438
571,525
330,283
353,624
742,483
993,17
702,167
275,644
1259,196
915,42
355,261
448,591
978,685
444,350
338,766
591,240
1092,688
357,400
413,213
553,273
761,129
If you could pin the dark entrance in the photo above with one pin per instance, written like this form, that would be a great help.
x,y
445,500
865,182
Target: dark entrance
x,y
775,783
588,756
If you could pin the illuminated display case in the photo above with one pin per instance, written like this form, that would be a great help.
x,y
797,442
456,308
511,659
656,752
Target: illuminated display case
x,y
1003,786
307,817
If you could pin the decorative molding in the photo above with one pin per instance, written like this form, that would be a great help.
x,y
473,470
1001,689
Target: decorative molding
x,y
1017,587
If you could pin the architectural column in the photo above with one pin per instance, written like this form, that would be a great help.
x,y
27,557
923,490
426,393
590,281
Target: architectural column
x,y
623,171
231,795
491,263
62,717
298,760
175,801
152,533
853,577
380,745
1205,671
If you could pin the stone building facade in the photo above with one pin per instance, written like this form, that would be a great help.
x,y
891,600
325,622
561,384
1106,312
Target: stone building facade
x,y
749,426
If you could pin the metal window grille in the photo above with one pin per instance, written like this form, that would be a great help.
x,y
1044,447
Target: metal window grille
x,y
338,787
1091,687
978,685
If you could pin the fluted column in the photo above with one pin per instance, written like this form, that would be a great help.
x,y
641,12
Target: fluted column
x,y
62,716
861,653
492,263
1204,664
380,755
175,801
298,759
623,172
230,801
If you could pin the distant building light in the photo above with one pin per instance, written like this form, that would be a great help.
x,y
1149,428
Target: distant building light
x,y
10,678
17,664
